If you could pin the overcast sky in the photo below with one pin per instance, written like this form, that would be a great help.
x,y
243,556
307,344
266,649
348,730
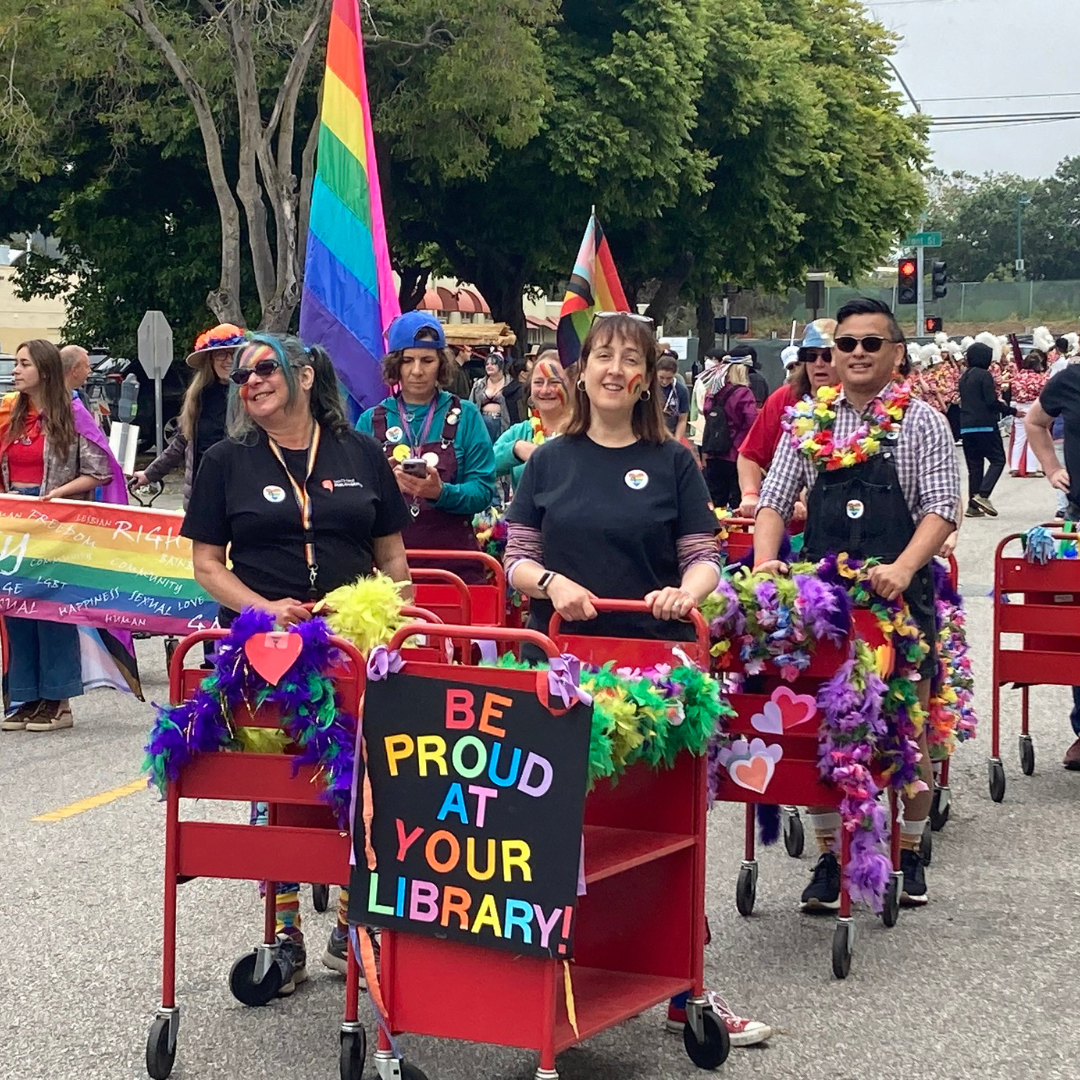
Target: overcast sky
x,y
980,50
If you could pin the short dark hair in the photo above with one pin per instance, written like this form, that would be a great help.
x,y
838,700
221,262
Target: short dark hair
x,y
867,305
667,363
516,367
716,354
1062,345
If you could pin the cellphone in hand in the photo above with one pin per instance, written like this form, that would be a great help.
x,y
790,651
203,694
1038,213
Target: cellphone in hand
x,y
415,467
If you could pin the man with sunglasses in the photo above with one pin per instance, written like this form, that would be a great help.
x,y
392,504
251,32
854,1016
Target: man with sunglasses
x,y
897,505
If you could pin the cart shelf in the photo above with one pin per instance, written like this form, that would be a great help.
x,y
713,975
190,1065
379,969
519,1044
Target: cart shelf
x,y
610,851
605,998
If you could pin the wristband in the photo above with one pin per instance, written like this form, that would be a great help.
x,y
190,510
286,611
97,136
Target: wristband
x,y
747,494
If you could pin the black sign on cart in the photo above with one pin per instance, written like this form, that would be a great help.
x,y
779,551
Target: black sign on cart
x,y
478,795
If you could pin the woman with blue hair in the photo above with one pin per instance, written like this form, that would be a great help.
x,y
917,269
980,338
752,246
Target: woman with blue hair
x,y
291,505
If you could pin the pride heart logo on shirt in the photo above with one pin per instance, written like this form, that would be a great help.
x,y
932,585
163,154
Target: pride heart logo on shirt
x,y
271,655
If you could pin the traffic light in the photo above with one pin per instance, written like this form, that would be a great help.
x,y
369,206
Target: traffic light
x,y
933,324
940,274
907,282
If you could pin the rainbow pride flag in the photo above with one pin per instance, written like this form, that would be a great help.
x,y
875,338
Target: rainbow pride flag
x,y
349,297
114,568
594,286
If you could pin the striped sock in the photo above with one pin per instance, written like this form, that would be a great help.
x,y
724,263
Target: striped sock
x,y
343,910
287,908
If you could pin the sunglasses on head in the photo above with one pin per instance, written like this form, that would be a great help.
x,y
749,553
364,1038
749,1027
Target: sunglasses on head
x,y
625,315
264,369
871,344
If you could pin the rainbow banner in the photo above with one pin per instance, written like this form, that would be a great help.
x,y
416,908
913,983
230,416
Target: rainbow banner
x,y
116,568
349,297
594,286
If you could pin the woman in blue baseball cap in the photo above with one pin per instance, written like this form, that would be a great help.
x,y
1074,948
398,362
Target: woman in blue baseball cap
x,y
437,444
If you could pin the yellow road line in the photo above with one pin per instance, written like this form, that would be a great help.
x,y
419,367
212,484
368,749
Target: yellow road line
x,y
93,802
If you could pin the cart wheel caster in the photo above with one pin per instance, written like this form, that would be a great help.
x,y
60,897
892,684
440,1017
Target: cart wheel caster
x,y
746,890
713,1052
170,648
320,897
1027,755
997,780
244,987
794,836
939,809
926,844
159,1058
353,1052
841,951
890,911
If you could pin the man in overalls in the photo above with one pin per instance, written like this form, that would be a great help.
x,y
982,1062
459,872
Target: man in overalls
x,y
898,505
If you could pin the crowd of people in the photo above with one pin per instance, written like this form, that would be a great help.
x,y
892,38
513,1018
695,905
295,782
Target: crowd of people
x,y
611,470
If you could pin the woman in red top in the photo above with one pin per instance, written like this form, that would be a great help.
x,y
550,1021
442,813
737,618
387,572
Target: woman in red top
x,y
42,454
1027,382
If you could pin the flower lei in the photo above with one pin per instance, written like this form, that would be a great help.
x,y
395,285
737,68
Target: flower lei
x,y
310,713
952,716
810,424
491,532
650,714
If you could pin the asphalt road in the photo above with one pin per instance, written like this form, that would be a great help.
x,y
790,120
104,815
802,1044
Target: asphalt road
x,y
980,984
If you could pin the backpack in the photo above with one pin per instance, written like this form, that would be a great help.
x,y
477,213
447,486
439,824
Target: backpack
x,y
716,436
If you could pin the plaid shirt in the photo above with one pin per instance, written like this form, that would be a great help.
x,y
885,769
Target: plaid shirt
x,y
924,455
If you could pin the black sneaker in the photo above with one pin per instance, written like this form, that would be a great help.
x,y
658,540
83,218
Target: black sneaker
x,y
914,891
823,892
291,946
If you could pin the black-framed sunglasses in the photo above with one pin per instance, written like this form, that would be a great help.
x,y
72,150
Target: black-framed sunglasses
x,y
815,356
624,314
870,344
264,369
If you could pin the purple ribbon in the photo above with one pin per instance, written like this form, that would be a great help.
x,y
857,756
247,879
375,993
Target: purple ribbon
x,y
564,673
383,662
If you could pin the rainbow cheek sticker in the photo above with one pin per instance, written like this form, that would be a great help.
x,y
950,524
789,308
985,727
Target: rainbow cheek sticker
x,y
635,384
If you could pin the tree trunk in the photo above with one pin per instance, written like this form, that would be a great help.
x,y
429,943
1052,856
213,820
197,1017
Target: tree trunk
x,y
671,284
706,331
414,279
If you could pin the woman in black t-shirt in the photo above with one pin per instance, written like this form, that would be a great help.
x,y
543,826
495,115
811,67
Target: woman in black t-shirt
x,y
300,504
615,508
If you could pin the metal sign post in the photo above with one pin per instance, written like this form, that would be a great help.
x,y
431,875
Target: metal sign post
x,y
920,311
156,355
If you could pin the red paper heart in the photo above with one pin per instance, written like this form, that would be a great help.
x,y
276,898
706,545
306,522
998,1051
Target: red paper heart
x,y
795,709
271,655
752,774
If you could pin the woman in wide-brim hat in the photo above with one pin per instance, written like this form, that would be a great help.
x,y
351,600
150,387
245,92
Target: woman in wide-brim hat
x,y
202,414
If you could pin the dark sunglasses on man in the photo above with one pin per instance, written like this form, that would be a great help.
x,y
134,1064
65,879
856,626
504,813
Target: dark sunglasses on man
x,y
870,344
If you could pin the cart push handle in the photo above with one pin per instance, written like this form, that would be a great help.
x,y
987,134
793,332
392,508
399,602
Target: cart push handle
x,y
489,562
490,633
641,608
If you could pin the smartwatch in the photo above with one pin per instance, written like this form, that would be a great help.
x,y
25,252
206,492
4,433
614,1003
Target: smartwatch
x,y
546,578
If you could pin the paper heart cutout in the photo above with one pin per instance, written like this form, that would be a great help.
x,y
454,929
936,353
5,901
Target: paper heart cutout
x,y
770,720
794,709
752,766
271,655
753,774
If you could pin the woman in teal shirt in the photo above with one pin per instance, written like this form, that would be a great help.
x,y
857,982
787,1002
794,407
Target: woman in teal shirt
x,y
550,397
420,422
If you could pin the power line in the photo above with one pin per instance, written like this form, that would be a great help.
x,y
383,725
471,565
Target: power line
x,y
991,118
999,124
1002,97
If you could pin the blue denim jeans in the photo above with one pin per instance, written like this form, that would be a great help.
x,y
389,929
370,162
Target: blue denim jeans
x,y
1074,716
45,661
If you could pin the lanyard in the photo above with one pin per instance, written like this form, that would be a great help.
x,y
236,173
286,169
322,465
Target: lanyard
x,y
417,444
303,502
672,399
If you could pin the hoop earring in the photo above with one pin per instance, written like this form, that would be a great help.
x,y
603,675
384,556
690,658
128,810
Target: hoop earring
x,y
580,385
646,395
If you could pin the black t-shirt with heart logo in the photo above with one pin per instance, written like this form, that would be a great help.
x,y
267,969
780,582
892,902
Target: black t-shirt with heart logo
x,y
243,500
610,519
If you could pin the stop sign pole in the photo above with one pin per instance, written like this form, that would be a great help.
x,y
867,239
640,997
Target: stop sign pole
x,y
156,356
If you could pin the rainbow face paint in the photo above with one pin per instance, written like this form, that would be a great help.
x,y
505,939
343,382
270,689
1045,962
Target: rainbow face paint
x,y
552,372
635,384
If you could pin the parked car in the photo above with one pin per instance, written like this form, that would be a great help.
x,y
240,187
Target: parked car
x,y
7,367
110,372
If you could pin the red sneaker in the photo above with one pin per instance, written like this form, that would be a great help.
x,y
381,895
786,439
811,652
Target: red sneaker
x,y
742,1032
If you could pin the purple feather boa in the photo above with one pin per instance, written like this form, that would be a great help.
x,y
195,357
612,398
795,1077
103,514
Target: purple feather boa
x,y
305,696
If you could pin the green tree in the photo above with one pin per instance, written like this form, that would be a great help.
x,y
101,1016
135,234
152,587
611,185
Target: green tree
x,y
242,75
